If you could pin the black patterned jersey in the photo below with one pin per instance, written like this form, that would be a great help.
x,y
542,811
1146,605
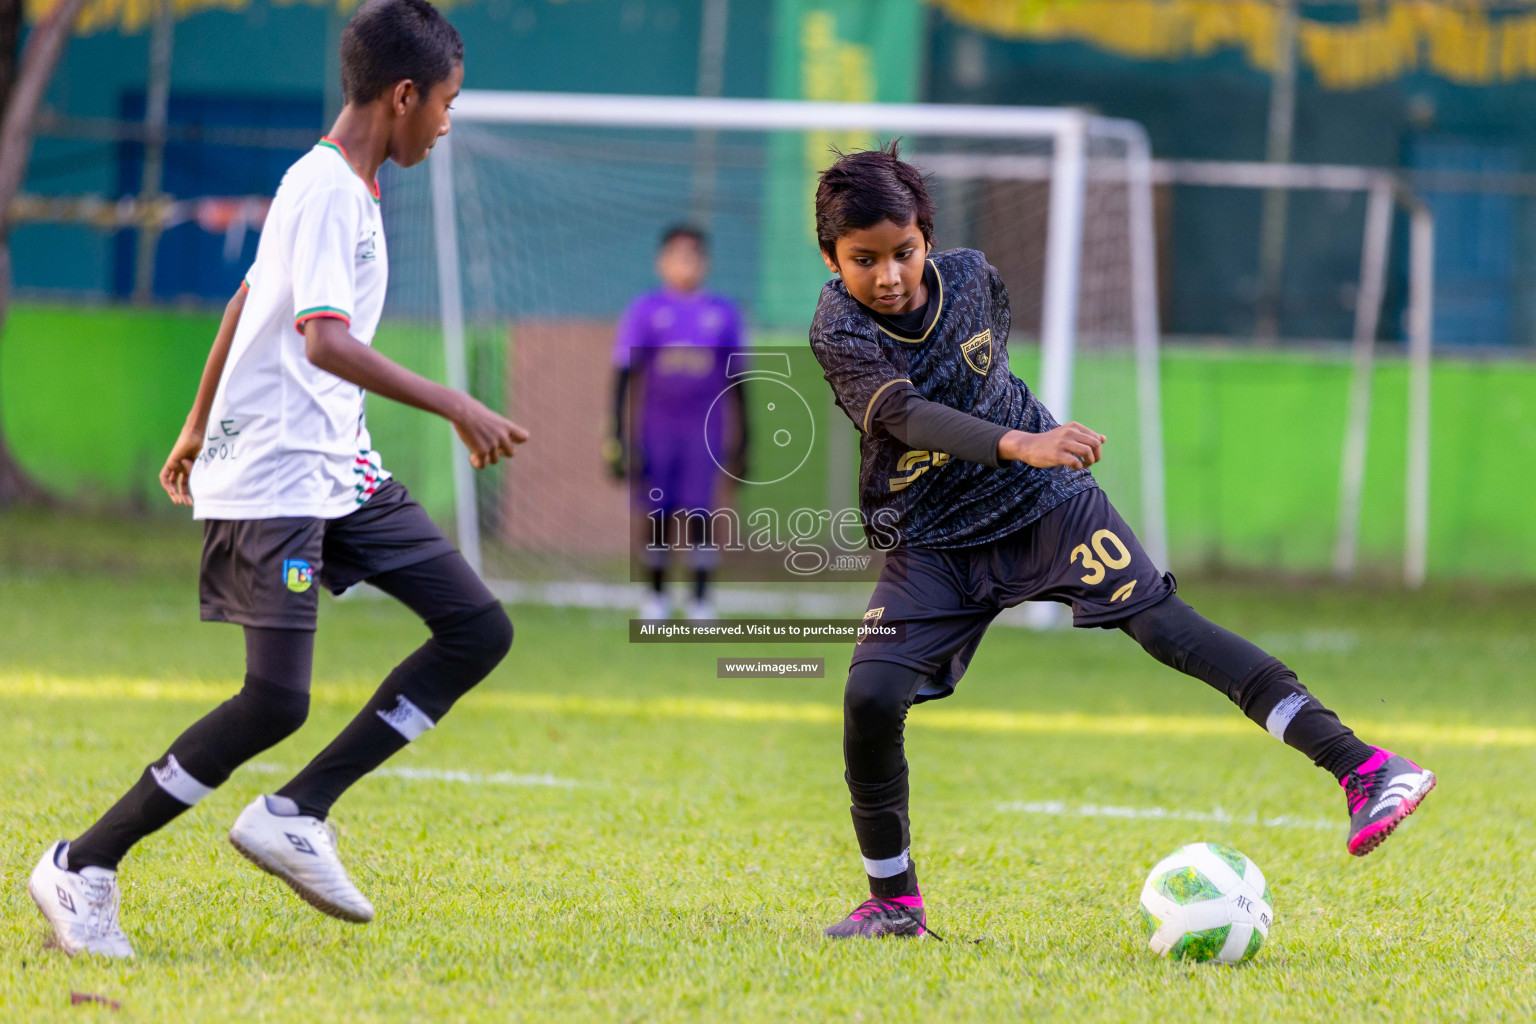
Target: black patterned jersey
x,y
926,499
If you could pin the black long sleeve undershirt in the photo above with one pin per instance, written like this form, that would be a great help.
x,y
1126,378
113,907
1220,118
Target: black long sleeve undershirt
x,y
620,400
930,426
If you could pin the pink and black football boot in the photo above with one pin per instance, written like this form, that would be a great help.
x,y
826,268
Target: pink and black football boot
x,y
879,916
1381,793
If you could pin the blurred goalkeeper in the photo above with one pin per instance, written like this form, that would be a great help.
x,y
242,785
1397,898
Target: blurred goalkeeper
x,y
670,358
983,501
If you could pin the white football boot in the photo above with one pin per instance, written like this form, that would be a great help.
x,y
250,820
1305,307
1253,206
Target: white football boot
x,y
656,606
301,851
81,906
701,610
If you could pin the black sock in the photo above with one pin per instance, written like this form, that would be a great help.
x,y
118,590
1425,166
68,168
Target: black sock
x,y
470,635
144,809
875,704
904,884
413,698
700,583
1292,715
198,762
659,580
1261,685
367,742
880,820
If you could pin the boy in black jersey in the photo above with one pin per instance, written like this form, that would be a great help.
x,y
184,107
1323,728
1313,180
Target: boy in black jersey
x,y
992,504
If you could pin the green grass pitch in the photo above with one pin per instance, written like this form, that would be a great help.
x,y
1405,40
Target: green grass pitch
x,y
607,832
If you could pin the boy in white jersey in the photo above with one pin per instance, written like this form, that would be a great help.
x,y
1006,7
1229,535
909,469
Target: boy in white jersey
x,y
281,470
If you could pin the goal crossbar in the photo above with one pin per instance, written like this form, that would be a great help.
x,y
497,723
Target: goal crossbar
x,y
610,111
1068,131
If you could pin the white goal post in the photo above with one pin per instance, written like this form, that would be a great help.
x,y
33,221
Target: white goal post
x,y
1063,141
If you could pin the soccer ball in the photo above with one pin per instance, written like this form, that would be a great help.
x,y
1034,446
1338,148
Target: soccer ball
x,y
1206,902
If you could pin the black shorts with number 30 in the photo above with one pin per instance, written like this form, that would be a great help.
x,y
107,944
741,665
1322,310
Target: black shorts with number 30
x,y
1080,553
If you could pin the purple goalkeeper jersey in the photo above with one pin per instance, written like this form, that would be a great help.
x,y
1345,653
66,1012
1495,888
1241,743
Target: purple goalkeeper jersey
x,y
678,345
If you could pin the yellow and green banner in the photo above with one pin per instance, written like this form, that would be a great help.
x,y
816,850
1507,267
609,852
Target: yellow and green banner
x,y
1470,42
845,51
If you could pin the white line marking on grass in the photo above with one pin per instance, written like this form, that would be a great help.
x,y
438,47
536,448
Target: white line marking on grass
x,y
442,775
1218,816
478,778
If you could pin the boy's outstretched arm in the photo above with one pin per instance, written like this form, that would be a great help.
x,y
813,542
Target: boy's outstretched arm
x,y
932,426
876,397
1070,444
178,465
488,435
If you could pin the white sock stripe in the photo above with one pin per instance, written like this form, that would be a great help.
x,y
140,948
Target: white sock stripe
x,y
406,718
1283,712
175,780
888,867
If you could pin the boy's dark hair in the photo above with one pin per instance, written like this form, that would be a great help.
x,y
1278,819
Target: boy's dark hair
x,y
388,41
862,189
688,231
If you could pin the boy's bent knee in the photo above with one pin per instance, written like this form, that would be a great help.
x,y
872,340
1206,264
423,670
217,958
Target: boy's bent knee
x,y
260,716
879,693
480,639
463,650
272,711
495,628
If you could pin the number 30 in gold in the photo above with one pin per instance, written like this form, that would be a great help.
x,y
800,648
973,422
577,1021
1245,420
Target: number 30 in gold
x,y
1102,540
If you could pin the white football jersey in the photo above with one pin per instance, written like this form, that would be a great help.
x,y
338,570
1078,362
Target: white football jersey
x,y
284,437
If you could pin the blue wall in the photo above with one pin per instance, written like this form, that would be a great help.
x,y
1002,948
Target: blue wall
x,y
1217,108
283,54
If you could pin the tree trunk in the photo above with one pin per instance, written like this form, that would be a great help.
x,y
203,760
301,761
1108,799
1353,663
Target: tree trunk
x,y
21,94
10,39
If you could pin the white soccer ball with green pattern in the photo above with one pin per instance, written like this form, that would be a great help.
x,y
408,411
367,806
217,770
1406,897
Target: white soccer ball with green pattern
x,y
1206,902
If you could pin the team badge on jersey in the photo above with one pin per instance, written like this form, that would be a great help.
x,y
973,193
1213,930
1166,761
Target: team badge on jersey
x,y
297,575
978,352
871,621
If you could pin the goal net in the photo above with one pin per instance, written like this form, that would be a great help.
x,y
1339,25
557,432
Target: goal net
x,y
517,247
